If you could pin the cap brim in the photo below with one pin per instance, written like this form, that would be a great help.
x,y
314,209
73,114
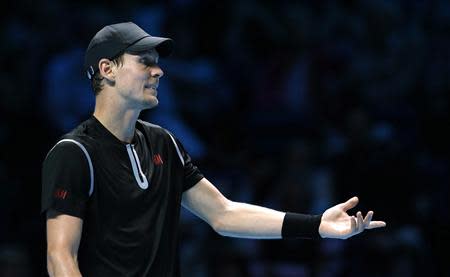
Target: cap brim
x,y
162,45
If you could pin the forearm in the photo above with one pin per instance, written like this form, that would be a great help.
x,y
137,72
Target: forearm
x,y
62,264
242,220
249,221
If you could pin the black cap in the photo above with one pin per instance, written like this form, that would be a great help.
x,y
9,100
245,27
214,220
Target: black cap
x,y
114,39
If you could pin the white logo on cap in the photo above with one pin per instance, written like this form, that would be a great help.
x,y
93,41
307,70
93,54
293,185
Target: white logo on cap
x,y
90,72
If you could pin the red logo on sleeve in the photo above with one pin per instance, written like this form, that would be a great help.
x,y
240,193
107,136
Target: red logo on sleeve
x,y
157,159
61,193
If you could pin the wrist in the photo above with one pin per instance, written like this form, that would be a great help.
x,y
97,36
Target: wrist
x,y
296,225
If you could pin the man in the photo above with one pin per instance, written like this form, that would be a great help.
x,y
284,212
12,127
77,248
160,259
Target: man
x,y
113,187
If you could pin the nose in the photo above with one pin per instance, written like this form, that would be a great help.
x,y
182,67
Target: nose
x,y
156,71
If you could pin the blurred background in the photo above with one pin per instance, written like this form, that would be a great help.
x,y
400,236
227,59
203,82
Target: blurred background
x,y
293,105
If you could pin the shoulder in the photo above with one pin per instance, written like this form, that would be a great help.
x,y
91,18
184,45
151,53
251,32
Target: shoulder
x,y
69,158
83,136
77,143
67,151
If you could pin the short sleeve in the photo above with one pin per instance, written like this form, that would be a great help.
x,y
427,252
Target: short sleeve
x,y
66,179
192,174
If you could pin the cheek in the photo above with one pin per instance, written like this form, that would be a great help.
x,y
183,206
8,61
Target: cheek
x,y
130,79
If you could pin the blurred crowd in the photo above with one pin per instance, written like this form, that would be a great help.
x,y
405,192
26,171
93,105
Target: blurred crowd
x,y
293,105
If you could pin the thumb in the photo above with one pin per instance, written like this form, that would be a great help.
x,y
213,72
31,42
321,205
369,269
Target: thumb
x,y
352,202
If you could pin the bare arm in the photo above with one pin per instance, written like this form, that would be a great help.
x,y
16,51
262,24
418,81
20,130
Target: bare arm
x,y
230,218
63,239
242,220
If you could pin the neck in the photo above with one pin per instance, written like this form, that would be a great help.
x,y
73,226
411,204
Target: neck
x,y
118,119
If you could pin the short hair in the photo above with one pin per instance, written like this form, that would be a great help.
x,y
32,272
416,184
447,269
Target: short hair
x,y
97,80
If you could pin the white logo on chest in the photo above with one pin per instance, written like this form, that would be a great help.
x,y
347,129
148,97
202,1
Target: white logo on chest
x,y
141,179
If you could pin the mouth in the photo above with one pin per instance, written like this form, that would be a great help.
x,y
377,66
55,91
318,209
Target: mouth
x,y
154,87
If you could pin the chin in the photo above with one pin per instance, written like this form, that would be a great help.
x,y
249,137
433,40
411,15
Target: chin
x,y
151,104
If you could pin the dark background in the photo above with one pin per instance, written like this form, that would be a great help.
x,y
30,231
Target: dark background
x,y
291,105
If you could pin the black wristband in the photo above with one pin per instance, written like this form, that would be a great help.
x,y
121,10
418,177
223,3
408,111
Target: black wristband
x,y
301,226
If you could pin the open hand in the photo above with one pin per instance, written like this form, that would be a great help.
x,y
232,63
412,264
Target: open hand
x,y
336,223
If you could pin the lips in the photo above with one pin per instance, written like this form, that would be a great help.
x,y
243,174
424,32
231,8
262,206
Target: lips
x,y
153,86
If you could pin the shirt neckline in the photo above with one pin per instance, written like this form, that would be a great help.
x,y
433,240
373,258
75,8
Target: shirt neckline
x,y
110,135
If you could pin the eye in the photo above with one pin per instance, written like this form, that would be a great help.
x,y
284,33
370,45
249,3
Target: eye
x,y
147,61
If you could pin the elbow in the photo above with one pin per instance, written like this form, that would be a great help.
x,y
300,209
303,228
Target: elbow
x,y
59,258
51,263
221,221
52,257
219,227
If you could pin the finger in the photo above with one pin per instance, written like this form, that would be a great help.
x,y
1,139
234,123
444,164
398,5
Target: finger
x,y
360,222
367,219
376,224
352,202
352,224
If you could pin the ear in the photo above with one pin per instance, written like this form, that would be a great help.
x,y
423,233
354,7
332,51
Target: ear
x,y
106,70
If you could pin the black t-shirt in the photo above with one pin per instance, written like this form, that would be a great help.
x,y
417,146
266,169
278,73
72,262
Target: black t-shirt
x,y
128,195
